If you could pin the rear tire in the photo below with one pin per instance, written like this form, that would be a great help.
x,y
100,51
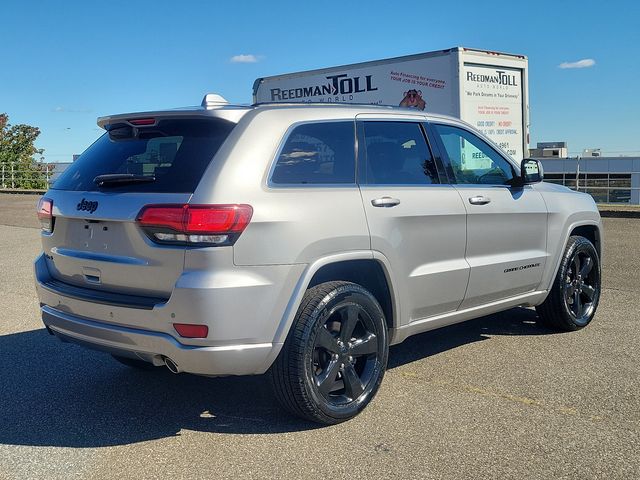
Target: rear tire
x,y
335,355
135,363
573,299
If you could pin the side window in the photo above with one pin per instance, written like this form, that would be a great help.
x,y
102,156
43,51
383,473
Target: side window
x,y
472,159
397,154
317,153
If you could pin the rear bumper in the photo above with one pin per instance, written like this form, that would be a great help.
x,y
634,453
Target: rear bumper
x,y
154,346
242,306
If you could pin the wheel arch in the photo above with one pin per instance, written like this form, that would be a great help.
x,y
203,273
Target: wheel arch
x,y
590,229
366,268
591,232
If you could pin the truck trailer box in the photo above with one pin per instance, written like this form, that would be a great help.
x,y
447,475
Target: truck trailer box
x,y
488,90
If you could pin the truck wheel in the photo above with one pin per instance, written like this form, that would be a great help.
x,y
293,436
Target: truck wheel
x,y
135,363
335,355
573,299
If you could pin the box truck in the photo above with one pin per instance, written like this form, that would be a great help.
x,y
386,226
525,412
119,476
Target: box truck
x,y
487,89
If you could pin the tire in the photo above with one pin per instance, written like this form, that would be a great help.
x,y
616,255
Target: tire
x,y
573,299
135,363
333,360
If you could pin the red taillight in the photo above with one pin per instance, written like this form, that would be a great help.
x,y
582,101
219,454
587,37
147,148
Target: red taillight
x,y
217,219
139,122
45,214
170,216
189,330
195,224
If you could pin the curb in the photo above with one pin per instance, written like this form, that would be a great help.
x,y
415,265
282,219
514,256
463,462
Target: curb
x,y
24,192
620,213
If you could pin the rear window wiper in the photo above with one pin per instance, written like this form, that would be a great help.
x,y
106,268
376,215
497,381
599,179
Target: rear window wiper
x,y
115,179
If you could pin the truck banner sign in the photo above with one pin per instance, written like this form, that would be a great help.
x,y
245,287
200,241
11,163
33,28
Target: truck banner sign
x,y
492,102
404,84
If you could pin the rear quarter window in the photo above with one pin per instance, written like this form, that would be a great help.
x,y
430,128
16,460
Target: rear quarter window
x,y
175,153
317,153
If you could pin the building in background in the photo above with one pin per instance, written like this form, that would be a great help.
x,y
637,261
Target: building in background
x,y
591,152
606,179
549,150
56,169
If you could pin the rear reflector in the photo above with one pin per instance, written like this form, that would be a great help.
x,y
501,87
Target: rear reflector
x,y
195,224
45,214
189,330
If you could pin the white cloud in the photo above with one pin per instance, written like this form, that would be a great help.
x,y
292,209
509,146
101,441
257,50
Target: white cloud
x,y
245,58
584,63
60,109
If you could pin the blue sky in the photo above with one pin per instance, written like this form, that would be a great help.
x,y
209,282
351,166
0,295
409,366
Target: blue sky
x,y
62,64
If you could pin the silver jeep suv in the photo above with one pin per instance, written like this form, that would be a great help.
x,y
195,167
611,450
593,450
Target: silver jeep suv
x,y
302,240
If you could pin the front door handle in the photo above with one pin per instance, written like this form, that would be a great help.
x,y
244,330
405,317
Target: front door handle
x,y
385,202
479,200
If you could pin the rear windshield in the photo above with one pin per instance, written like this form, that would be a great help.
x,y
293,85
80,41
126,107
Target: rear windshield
x,y
167,158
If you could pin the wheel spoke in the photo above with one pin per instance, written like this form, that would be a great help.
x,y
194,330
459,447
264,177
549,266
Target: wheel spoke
x,y
364,346
352,385
577,303
589,291
349,321
327,379
327,341
571,288
586,267
576,265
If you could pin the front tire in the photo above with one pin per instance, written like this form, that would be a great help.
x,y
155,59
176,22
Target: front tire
x,y
335,355
573,299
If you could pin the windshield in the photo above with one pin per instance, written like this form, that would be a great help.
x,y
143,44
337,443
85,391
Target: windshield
x,y
169,157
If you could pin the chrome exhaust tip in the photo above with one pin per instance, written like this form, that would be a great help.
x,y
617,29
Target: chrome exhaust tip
x,y
171,365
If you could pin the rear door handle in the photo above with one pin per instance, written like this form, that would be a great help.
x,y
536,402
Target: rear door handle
x,y
385,202
479,200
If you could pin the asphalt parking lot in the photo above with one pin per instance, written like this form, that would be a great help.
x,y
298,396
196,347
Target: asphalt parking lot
x,y
496,397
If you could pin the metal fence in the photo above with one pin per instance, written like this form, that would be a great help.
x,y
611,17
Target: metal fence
x,y
17,177
603,187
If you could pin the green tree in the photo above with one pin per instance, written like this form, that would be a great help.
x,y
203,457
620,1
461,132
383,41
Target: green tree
x,y
17,152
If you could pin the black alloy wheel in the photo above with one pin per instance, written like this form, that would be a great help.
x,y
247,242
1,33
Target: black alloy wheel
x,y
345,353
335,355
581,287
574,296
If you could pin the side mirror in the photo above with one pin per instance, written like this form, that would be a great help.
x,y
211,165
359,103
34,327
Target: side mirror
x,y
530,171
